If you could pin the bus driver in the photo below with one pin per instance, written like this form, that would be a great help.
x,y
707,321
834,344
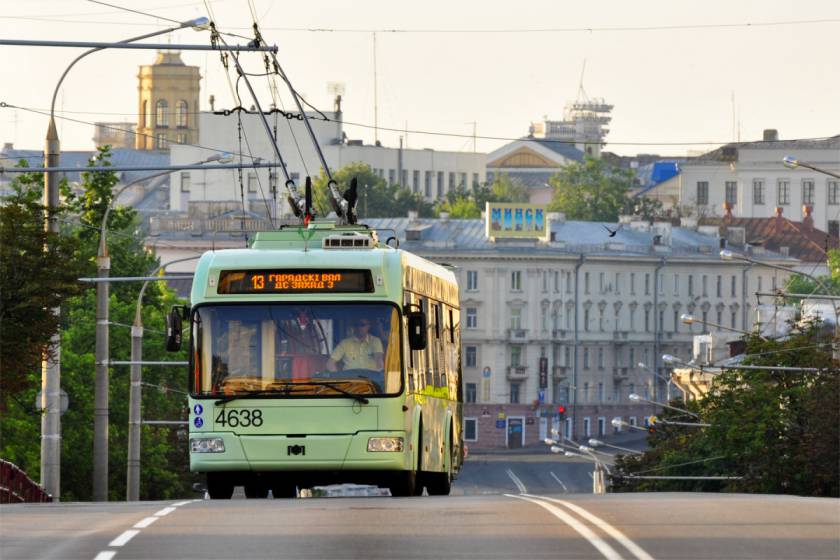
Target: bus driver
x,y
360,351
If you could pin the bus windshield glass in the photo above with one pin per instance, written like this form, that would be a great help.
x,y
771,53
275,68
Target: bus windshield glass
x,y
296,349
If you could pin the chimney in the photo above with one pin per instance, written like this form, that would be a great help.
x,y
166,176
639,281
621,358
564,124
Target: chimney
x,y
808,220
444,217
778,224
771,135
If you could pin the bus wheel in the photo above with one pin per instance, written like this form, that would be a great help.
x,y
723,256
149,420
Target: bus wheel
x,y
440,484
219,486
256,488
404,484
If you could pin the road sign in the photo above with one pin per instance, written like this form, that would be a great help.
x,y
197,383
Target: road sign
x,y
500,424
541,395
543,373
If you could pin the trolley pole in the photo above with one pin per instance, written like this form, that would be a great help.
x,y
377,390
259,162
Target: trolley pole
x,y
51,365
101,405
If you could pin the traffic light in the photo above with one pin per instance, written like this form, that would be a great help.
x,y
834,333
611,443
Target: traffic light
x,y
561,411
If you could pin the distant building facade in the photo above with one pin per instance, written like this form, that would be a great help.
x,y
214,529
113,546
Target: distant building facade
x,y
749,180
118,135
532,162
168,103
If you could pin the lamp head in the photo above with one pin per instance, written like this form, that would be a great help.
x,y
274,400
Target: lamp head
x,y
571,454
549,441
790,162
616,423
555,449
669,359
727,255
595,442
633,397
198,24
642,365
585,448
686,319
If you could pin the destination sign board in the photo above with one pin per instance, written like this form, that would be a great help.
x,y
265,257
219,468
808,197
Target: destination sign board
x,y
293,281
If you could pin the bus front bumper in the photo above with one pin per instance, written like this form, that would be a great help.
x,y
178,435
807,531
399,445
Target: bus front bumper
x,y
337,452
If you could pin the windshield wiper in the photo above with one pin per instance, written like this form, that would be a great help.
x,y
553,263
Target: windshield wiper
x,y
334,387
256,395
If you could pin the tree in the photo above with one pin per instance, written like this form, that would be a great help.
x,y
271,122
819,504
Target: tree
x,y
33,281
776,429
798,284
470,203
376,198
591,190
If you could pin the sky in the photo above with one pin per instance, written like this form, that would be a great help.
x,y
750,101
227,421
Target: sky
x,y
705,79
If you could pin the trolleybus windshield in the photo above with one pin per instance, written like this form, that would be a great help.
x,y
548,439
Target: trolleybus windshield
x,y
296,349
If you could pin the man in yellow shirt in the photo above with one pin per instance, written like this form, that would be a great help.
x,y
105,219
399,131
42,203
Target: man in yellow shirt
x,y
360,351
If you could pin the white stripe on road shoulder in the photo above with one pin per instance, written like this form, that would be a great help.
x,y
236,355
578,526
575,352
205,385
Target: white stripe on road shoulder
x,y
143,523
124,538
637,551
521,487
178,504
165,511
584,531
560,482
105,555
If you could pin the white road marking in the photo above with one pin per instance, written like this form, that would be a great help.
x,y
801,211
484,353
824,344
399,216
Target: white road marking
x,y
165,511
584,531
124,538
177,504
105,555
560,482
143,523
521,487
637,551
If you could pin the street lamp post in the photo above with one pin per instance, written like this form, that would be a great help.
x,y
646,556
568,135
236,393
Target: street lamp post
x,y
132,492
687,319
668,381
51,370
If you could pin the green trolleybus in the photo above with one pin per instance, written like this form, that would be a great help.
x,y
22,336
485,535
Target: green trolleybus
x,y
320,355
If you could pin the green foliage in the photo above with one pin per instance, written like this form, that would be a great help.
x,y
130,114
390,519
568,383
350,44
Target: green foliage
x,y
591,190
798,284
165,461
777,430
377,199
469,203
32,283
646,208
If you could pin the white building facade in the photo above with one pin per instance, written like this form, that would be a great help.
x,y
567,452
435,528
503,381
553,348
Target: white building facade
x,y
428,172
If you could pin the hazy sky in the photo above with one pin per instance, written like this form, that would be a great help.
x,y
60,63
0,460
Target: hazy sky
x,y
668,86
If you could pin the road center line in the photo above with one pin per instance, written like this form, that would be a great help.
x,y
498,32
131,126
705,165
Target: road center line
x,y
178,504
143,523
521,487
584,531
105,555
165,511
560,482
124,538
635,549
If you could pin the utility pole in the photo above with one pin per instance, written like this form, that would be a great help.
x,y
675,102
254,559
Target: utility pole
x,y
100,398
375,97
51,365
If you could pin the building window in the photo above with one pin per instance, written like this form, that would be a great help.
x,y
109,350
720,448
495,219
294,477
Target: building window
x,y
452,186
587,432
181,138
586,359
252,182
783,196
617,283
676,284
470,429
392,176
515,356
160,141
600,392
472,391
705,285
471,355
647,320
472,317
834,228
568,282
633,283
602,426
719,287
676,321
602,282
427,184
463,183
472,280
719,318
702,192
647,284
556,275
415,180
758,191
516,280
516,318
733,318
514,393
691,285
731,192
186,183
475,180
734,285
807,191
586,319
181,114
833,192
441,188
600,358
162,114
404,178
585,282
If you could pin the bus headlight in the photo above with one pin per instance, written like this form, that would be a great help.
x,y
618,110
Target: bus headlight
x,y
207,445
385,444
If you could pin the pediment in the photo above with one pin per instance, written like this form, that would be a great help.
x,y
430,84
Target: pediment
x,y
524,157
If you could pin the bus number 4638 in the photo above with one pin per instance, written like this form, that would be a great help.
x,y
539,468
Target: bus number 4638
x,y
243,417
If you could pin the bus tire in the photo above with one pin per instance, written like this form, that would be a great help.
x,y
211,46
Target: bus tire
x,y
404,484
280,490
440,483
219,486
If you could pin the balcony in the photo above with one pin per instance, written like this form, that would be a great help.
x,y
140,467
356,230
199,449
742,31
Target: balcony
x,y
561,372
619,335
558,333
517,373
621,373
519,335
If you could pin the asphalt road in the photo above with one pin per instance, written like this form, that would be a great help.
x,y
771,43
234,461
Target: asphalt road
x,y
489,517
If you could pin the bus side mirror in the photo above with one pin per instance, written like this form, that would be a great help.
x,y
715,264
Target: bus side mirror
x,y
417,332
174,329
